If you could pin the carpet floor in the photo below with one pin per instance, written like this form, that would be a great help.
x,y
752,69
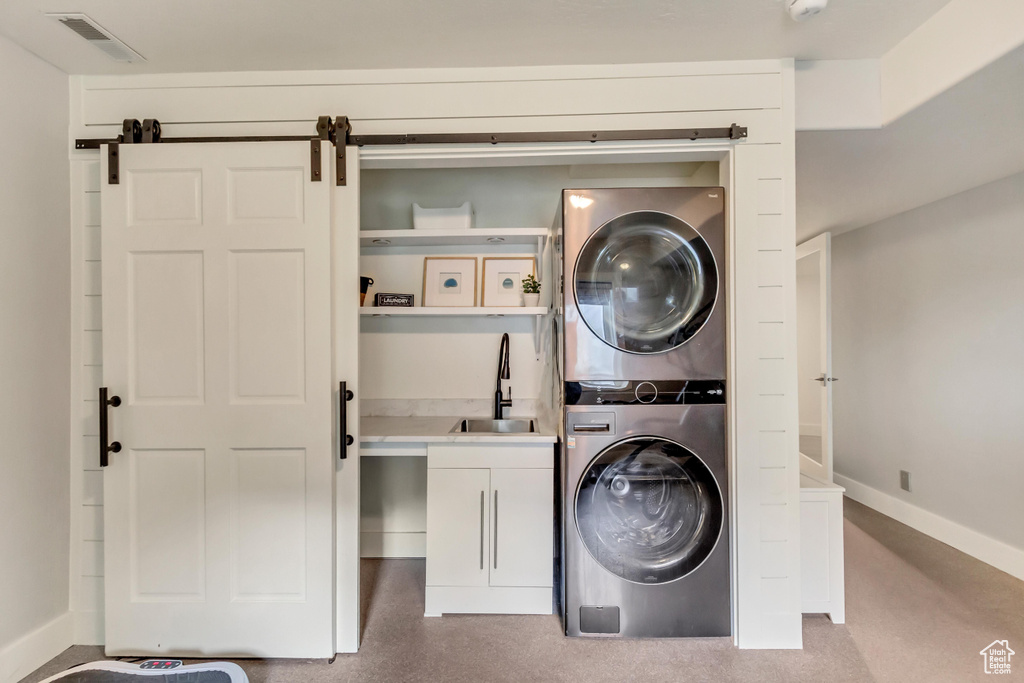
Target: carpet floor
x,y
916,609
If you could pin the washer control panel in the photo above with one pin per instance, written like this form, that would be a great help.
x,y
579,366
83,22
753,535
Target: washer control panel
x,y
646,392
641,392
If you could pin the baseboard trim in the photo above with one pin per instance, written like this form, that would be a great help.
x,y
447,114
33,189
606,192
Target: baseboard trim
x,y
810,430
373,544
440,600
31,651
89,628
1000,555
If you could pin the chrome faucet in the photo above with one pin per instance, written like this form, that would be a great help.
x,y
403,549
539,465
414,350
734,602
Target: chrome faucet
x,y
503,373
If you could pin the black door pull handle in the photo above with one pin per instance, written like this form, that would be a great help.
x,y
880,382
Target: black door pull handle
x,y
106,448
344,438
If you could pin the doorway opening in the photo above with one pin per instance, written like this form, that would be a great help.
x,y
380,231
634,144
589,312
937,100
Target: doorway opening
x,y
814,356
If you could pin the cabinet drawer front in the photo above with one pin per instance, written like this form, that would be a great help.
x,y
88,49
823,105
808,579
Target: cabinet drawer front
x,y
516,455
458,524
522,527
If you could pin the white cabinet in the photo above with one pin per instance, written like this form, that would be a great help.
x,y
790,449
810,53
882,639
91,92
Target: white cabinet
x,y
490,522
822,575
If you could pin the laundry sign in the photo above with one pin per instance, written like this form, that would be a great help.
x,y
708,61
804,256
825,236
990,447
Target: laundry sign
x,y
382,299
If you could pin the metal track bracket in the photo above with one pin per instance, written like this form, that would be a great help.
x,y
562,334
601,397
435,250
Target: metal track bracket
x,y
314,160
342,128
113,167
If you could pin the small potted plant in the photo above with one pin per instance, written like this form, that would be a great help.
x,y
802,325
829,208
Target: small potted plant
x,y
531,291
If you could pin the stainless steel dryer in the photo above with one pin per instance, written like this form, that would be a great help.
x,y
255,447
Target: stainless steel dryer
x,y
643,283
645,510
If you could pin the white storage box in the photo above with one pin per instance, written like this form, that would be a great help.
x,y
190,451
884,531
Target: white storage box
x,y
459,218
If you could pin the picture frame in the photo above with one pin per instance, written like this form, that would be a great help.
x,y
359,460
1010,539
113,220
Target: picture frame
x,y
449,281
503,279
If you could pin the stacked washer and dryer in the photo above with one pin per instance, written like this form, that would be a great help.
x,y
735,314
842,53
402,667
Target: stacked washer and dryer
x,y
644,468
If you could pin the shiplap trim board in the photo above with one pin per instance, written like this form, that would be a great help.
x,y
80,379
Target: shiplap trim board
x,y
34,649
86,360
1000,555
434,100
758,173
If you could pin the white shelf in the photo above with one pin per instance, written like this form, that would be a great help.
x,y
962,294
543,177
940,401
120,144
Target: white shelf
x,y
449,238
478,311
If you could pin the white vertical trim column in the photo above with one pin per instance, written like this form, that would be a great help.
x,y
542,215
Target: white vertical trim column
x,y
766,472
345,238
86,554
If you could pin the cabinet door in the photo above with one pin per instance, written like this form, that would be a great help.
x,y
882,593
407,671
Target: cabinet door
x,y
457,522
522,522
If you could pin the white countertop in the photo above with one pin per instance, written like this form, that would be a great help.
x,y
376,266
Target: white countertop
x,y
437,430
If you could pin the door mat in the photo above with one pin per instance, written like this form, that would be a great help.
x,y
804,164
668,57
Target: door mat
x,y
152,671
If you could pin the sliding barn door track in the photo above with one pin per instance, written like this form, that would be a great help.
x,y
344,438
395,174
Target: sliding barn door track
x,y
339,129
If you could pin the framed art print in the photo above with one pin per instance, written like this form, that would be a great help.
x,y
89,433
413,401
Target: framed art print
x,y
449,281
503,279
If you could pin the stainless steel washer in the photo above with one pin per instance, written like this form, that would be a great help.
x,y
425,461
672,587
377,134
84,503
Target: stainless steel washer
x,y
643,283
645,510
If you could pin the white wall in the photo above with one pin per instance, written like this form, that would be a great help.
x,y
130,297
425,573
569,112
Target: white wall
x,y
808,329
928,323
35,350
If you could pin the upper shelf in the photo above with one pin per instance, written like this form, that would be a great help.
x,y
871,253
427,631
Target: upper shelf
x,y
449,238
450,310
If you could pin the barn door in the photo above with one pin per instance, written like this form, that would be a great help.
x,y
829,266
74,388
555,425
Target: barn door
x,y
217,339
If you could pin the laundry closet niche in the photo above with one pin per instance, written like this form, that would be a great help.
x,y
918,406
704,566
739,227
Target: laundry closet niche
x,y
446,365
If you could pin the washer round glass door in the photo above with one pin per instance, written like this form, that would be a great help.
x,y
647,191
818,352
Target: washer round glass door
x,y
648,510
645,282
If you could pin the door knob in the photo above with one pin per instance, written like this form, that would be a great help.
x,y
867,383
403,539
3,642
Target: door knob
x,y
823,379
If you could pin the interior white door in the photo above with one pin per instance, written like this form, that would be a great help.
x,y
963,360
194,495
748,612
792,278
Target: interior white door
x,y
458,519
522,531
814,351
218,512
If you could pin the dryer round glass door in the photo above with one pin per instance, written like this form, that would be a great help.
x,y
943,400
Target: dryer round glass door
x,y
645,282
648,510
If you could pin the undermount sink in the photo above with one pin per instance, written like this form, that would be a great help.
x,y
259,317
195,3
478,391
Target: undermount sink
x,y
481,426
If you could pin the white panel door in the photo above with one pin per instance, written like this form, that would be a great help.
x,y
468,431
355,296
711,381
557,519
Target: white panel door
x,y
814,316
522,503
457,527
218,511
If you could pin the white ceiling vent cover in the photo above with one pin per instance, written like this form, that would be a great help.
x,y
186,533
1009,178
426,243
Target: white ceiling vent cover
x,y
98,36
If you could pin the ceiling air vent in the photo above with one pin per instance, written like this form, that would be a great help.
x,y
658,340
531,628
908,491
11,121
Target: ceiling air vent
x,y
98,36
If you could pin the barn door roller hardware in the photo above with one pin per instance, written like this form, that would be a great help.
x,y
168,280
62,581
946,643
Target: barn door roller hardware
x,y
149,132
338,131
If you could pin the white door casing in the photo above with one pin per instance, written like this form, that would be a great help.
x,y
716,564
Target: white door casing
x,y
345,254
820,249
217,337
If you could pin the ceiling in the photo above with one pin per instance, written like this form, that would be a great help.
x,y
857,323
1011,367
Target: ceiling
x,y
965,137
256,35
